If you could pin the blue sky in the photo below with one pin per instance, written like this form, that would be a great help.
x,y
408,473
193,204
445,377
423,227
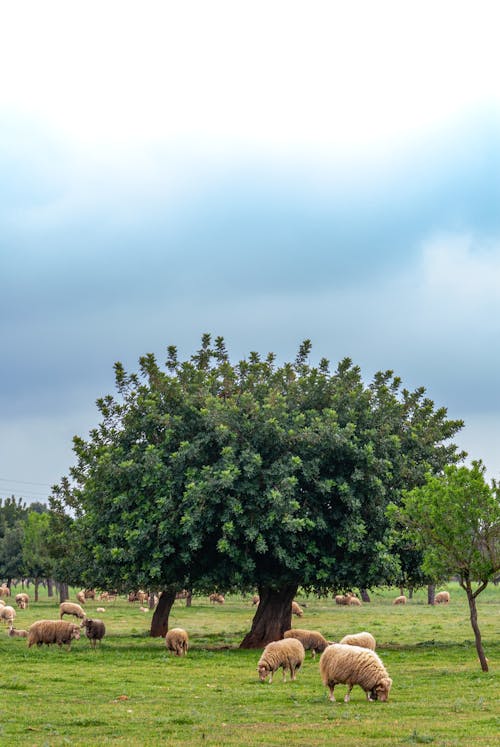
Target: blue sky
x,y
269,172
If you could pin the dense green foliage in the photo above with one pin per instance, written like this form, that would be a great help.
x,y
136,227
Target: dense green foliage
x,y
24,549
217,475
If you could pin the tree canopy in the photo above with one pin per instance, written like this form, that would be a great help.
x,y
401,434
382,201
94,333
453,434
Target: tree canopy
x,y
210,474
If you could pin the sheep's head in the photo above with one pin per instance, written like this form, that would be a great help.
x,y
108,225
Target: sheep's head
x,y
75,632
381,690
264,671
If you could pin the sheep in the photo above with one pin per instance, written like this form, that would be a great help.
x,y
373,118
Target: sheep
x,y
2,603
354,665
216,598
53,631
18,633
89,593
81,597
255,600
312,640
94,630
22,600
442,598
143,609
7,614
297,609
100,609
288,653
104,596
177,641
353,601
70,608
4,591
364,639
400,600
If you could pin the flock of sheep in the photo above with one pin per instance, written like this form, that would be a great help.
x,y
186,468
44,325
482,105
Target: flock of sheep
x,y
351,661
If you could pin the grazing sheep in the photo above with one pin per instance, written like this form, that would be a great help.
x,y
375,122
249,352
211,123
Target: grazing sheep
x,y
400,600
53,631
81,597
94,630
364,639
104,596
22,600
70,608
353,601
4,591
442,598
354,665
7,614
89,593
288,653
216,598
255,599
297,609
312,640
347,599
18,633
2,603
177,641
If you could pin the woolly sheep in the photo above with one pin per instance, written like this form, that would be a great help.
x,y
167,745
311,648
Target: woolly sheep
x,y
442,598
70,608
354,665
81,597
4,591
297,609
7,614
89,593
2,603
94,630
177,641
255,599
400,600
312,640
288,653
18,633
53,631
216,598
353,601
347,599
364,639
100,609
22,600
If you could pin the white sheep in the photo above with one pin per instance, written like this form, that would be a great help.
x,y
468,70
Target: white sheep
x,y
7,614
312,640
18,633
442,598
400,600
341,664
22,600
177,641
2,603
70,608
363,639
288,653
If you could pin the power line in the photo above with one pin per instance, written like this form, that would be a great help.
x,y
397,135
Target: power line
x,y
25,482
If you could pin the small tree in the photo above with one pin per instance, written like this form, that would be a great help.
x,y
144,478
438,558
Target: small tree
x,y
455,518
35,550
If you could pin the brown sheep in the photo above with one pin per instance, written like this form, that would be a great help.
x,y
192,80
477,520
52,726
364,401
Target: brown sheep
x,y
53,631
255,600
177,641
442,598
400,600
364,639
297,609
354,665
216,598
18,633
70,608
288,653
80,596
94,630
312,640
4,591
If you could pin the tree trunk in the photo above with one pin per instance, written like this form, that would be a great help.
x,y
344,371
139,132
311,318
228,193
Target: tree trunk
x,y
410,592
36,589
473,621
63,591
189,598
50,588
431,593
159,621
364,595
401,590
272,618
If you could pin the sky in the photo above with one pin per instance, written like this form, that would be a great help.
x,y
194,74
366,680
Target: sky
x,y
266,171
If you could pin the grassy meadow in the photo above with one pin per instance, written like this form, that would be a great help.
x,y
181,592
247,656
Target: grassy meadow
x,y
130,691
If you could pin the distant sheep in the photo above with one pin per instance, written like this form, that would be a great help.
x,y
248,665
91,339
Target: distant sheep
x,y
347,599
100,609
400,600
22,600
352,665
312,640
288,653
297,609
70,608
7,614
81,597
177,641
364,639
94,630
4,591
89,593
255,600
18,633
2,603
442,598
53,631
216,598
143,609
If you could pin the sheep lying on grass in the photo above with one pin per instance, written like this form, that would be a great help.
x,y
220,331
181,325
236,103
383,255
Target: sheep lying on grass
x,y
18,633
94,630
7,614
442,598
177,641
312,640
53,631
354,665
364,639
400,600
288,653
70,608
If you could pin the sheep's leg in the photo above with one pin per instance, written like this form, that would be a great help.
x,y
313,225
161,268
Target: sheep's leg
x,y
348,694
332,696
271,676
313,651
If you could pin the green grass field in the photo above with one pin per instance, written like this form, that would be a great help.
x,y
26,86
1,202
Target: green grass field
x,y
131,692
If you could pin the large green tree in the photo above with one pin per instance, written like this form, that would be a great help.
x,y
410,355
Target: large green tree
x,y
210,474
455,519
37,562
